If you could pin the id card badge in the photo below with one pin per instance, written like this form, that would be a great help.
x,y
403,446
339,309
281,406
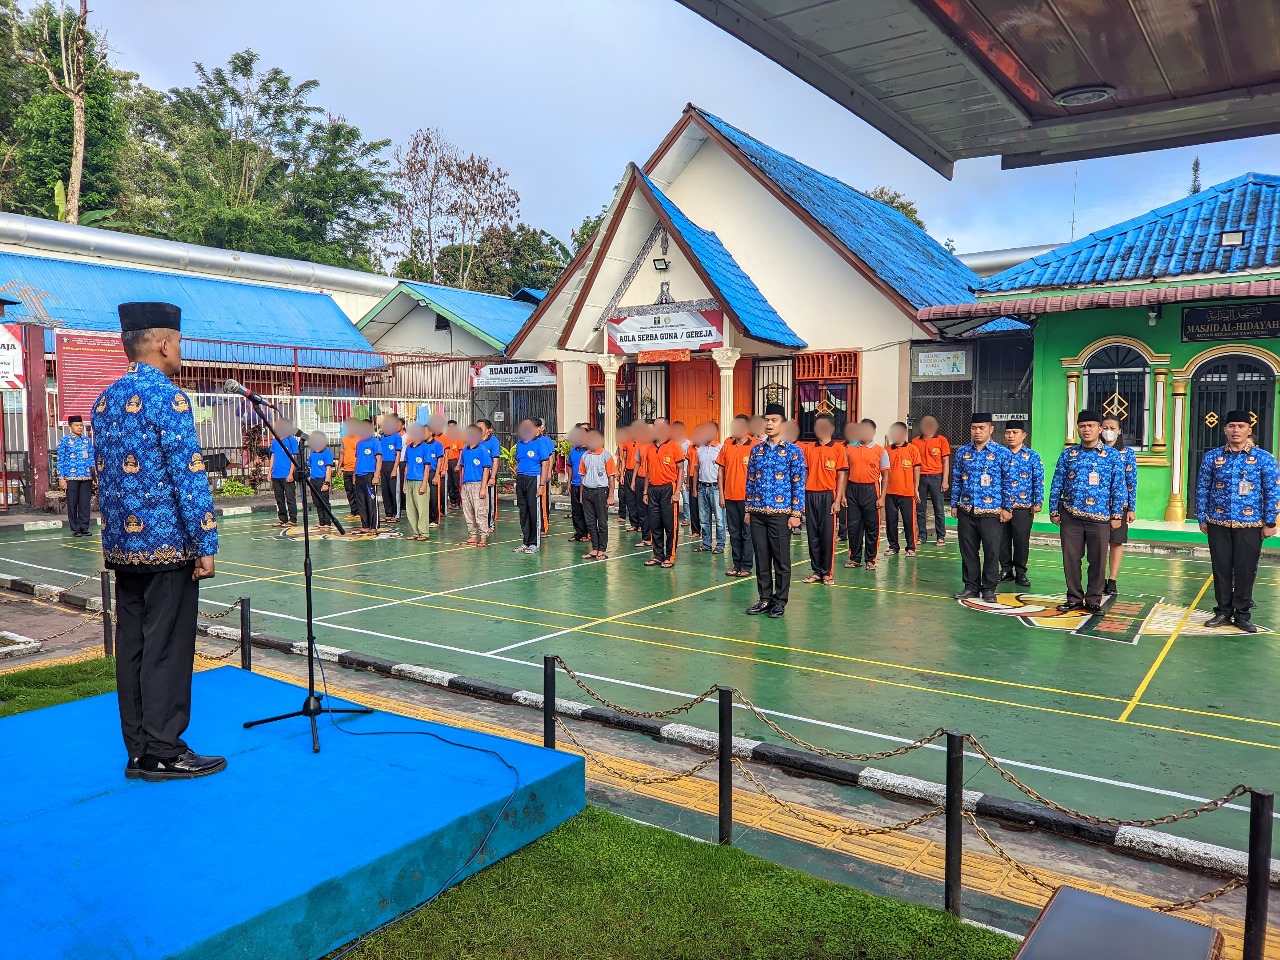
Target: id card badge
x,y
1246,488
985,481
1094,479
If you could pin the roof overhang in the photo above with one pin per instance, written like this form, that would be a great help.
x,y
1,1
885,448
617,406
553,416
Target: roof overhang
x,y
954,79
399,303
958,318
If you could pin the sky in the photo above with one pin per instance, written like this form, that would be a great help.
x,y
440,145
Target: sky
x,y
563,93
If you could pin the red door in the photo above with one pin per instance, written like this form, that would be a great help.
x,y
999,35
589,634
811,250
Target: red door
x,y
694,391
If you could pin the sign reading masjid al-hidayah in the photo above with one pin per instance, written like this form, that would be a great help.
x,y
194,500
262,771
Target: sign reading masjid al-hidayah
x,y
1245,321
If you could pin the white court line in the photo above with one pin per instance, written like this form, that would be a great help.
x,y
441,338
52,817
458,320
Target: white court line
x,y
477,586
832,725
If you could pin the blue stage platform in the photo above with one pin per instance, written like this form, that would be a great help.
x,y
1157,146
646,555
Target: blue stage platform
x,y
285,854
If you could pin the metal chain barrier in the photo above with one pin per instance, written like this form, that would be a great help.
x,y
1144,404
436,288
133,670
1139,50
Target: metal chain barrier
x,y
1189,814
833,827
1000,852
219,616
655,715
836,754
1235,883
56,595
592,757
85,620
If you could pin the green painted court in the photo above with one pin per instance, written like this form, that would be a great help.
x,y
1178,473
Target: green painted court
x,y
1138,713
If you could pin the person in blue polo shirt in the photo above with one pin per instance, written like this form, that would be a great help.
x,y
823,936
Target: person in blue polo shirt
x,y
282,473
368,468
475,464
533,464
320,460
418,479
577,450
547,449
493,445
391,446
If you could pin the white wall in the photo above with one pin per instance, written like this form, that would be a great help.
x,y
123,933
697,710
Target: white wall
x,y
417,333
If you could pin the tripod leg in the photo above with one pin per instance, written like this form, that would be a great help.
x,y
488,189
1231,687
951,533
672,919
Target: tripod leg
x,y
283,716
348,710
315,737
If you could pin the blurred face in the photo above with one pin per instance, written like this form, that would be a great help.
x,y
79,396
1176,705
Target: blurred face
x,y
852,432
435,424
317,441
980,433
897,434
791,432
595,440
575,437
1089,432
1015,438
474,435
929,425
525,431
679,431
1237,434
738,429
661,431
866,433
285,428
824,428
758,427
773,425
365,430
416,432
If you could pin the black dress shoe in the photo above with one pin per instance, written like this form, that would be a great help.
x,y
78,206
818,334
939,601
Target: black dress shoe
x,y
1109,588
1068,605
763,606
989,596
1005,577
185,767
133,769
1245,624
967,595
1218,620
777,612
1093,608
1022,581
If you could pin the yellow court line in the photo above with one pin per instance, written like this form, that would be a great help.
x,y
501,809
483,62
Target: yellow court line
x,y
1164,651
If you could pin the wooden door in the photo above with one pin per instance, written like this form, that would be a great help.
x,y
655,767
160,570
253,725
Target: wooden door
x,y
694,391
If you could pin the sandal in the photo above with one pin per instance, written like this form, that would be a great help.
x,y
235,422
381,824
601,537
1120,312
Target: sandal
x,y
871,564
653,563
469,543
852,565
813,578
911,553
828,581
483,543
667,565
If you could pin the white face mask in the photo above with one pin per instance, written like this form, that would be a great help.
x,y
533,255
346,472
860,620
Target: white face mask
x,y
1110,435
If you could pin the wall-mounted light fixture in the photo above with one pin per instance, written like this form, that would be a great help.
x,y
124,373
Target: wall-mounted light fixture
x,y
1232,238
661,263
1153,314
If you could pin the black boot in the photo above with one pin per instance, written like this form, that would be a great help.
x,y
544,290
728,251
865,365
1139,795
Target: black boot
x,y
1109,588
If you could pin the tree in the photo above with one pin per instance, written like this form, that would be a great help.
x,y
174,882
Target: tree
x,y
506,258
590,224
70,62
483,199
1195,177
899,202
421,176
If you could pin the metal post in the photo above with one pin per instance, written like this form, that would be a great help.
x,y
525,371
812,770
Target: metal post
x,y
955,821
726,765
549,701
246,635
1261,807
108,632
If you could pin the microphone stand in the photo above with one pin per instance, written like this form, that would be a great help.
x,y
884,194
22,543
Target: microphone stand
x,y
311,706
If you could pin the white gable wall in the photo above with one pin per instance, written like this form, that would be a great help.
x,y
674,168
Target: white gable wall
x,y
416,333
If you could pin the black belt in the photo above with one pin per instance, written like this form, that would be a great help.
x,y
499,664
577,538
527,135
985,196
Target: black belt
x,y
701,484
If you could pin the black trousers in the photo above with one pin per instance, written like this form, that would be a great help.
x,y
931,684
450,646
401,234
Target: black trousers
x,y
527,489
626,498
366,497
577,509
864,521
771,540
595,516
79,495
899,506
664,521
391,498
1234,553
931,493
1015,543
1081,539
820,525
740,546
695,511
455,483
639,509
155,652
349,488
323,496
286,492
979,533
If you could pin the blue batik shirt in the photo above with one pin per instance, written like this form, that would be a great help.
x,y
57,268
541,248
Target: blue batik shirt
x,y
1130,460
1088,482
1025,480
1238,488
75,457
157,511
980,479
776,475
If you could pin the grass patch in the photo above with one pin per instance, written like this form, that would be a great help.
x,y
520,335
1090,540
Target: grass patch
x,y
40,687
604,888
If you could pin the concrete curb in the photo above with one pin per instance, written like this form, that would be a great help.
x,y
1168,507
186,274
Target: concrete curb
x,y
89,603
18,646
1134,841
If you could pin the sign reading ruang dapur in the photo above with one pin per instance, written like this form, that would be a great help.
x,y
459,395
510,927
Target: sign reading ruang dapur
x,y
1240,321
690,330
513,375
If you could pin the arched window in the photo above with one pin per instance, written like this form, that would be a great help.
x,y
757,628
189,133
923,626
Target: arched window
x,y
1117,382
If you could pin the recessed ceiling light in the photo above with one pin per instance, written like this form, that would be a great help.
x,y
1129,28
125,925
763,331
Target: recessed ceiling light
x,y
1084,96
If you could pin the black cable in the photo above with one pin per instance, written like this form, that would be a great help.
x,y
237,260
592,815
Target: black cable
x,y
484,841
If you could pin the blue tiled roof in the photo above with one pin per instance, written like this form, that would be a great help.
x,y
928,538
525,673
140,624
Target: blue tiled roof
x,y
493,318
83,295
900,253
735,287
1179,239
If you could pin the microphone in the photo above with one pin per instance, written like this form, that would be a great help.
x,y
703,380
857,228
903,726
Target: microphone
x,y
240,390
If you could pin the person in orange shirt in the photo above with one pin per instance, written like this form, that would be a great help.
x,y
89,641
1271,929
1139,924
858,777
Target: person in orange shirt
x,y
902,489
348,464
642,433
733,460
827,473
626,446
663,469
864,493
935,478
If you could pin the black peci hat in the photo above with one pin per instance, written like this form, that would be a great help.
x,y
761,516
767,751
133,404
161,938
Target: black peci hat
x,y
1238,416
1089,416
775,410
1017,425
74,418
982,418
149,316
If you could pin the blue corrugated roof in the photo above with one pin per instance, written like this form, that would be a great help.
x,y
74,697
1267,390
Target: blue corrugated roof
x,y
538,295
83,295
899,252
740,295
491,317
1182,238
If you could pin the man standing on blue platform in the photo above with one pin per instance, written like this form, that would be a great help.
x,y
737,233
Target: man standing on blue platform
x,y
775,506
75,475
1088,496
159,535
979,505
1237,501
